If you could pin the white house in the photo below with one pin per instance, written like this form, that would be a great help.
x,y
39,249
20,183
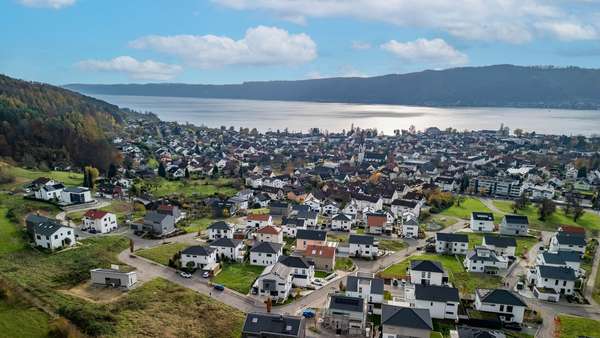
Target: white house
x,y
342,222
101,221
303,273
425,272
501,245
562,241
199,257
451,243
514,225
258,220
441,301
568,259
397,321
399,207
482,221
290,226
331,208
265,253
219,230
75,195
559,279
275,281
506,304
482,259
362,246
229,248
49,192
351,209
410,228
269,233
368,288
53,235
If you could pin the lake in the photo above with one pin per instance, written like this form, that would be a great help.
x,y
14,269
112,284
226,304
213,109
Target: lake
x,y
273,115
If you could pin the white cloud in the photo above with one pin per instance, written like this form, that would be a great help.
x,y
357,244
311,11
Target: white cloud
x,y
360,45
423,51
512,21
56,4
260,46
569,30
138,70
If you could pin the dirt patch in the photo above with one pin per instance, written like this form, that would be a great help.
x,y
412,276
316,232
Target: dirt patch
x,y
95,294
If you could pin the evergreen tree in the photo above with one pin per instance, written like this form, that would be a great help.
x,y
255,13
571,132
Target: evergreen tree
x,y
112,170
162,172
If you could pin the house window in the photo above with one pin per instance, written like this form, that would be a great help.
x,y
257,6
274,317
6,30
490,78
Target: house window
x,y
509,308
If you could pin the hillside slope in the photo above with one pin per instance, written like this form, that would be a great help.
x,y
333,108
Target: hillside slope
x,y
499,85
43,125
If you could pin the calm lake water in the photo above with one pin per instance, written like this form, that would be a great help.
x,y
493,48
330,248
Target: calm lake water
x,y
273,115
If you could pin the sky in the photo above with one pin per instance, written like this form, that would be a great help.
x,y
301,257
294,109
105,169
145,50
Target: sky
x,y
232,41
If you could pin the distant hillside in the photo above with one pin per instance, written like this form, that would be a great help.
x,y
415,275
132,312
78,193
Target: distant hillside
x,y
44,125
500,85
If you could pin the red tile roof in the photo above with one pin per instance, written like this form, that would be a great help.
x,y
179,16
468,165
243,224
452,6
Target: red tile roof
x,y
572,229
258,217
95,214
270,230
376,220
320,251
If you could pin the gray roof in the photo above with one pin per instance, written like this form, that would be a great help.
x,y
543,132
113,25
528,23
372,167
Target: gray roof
x,y
315,235
154,216
361,239
376,284
341,217
569,239
482,216
500,241
516,219
266,247
76,190
42,225
346,303
294,262
225,242
499,296
220,225
475,332
561,257
474,255
436,293
449,237
426,265
198,250
556,272
265,323
406,317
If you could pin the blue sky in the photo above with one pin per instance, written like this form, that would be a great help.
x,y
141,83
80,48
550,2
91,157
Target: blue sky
x,y
231,41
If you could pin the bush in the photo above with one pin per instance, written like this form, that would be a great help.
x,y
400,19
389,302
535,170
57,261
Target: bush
x,y
61,328
6,176
92,320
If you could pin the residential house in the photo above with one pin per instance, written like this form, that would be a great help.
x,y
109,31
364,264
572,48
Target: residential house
x,y
279,208
501,245
482,259
397,321
50,191
156,223
172,210
342,222
376,223
228,248
426,272
563,241
401,206
305,238
331,208
515,225
475,332
99,220
75,195
509,307
220,229
441,301
265,253
302,271
273,326
346,315
269,233
552,281
322,256
568,259
451,243
275,282
482,221
258,220
199,257
351,209
368,288
410,227
48,233
362,246
291,226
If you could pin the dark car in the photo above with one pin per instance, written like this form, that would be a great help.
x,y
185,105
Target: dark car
x,y
219,287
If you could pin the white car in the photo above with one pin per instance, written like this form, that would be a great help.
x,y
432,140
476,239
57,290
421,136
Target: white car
x,y
205,274
185,274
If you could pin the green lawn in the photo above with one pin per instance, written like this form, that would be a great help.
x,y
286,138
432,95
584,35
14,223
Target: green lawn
x,y
337,237
238,276
18,320
199,188
465,281
466,208
23,176
391,245
322,274
574,327
162,253
590,221
120,208
199,224
344,264
524,243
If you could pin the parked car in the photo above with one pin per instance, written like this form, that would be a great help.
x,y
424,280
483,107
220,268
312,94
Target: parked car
x,y
185,274
308,313
219,287
205,274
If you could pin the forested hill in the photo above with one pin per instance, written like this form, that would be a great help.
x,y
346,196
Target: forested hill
x,y
43,125
499,85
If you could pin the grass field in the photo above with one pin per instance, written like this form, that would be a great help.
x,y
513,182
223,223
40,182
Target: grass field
x,y
466,282
18,320
574,327
162,253
23,176
322,274
120,208
344,264
337,237
523,243
465,209
238,277
391,245
589,220
199,188
199,224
